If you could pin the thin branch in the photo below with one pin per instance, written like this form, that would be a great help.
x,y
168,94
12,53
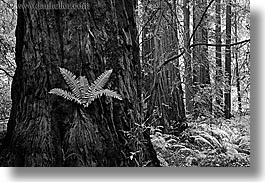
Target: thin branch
x,y
172,11
149,19
193,33
171,59
220,45
170,24
8,74
198,44
9,6
197,26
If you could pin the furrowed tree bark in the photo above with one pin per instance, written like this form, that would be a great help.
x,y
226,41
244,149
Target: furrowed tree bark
x,y
46,130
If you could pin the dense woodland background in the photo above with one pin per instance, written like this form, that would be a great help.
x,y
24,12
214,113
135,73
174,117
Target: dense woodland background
x,y
182,68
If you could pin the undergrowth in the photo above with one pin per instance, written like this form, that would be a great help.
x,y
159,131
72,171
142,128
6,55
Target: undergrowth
x,y
206,143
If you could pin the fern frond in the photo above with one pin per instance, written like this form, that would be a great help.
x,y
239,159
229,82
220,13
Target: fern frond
x,y
202,139
108,93
65,94
220,132
212,139
83,84
100,82
87,87
88,98
91,96
81,91
71,81
209,138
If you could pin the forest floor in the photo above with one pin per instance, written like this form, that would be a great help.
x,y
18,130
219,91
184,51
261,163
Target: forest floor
x,y
206,143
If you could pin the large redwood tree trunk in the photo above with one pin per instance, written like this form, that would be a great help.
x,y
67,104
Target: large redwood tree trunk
x,y
46,130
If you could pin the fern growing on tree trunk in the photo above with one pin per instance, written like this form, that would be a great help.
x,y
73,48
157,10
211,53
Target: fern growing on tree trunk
x,y
83,93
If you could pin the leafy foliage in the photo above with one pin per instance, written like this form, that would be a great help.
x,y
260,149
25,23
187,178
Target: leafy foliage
x,y
7,60
81,92
207,143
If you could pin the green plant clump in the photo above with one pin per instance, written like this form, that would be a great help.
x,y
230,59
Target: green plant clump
x,y
208,143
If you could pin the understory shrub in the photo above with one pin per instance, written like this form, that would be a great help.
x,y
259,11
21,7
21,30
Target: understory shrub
x,y
206,143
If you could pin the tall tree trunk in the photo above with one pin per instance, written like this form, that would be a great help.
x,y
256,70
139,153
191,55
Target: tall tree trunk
x,y
171,79
218,54
166,94
45,130
227,91
200,53
201,76
238,86
187,58
237,68
148,44
176,93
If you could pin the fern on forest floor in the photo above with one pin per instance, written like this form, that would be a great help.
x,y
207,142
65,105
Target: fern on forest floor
x,y
208,143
